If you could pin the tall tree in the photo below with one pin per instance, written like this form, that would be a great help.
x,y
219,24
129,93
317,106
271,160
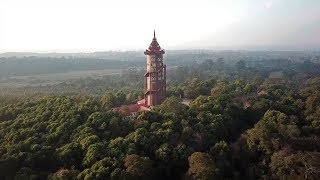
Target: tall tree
x,y
201,166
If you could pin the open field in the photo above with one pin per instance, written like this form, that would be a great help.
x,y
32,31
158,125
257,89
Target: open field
x,y
49,79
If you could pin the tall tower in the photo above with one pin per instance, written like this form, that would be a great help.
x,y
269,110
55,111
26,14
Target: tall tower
x,y
155,77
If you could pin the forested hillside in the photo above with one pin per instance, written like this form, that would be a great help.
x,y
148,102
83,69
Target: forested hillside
x,y
250,119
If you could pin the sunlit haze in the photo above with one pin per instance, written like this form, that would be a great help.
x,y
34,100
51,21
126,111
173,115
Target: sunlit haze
x,y
99,25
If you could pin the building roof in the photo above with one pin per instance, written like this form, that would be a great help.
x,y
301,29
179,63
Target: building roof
x,y
128,109
154,47
142,101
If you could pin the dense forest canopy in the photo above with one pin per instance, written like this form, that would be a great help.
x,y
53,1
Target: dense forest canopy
x,y
255,116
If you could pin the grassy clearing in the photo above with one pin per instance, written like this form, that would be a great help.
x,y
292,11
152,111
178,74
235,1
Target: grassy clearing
x,y
49,79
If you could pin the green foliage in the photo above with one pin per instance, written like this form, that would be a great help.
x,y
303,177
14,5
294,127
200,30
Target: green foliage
x,y
64,174
201,166
173,105
240,64
272,132
102,169
94,153
138,167
239,124
302,165
70,155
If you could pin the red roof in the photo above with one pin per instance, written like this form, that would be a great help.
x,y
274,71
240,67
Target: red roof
x,y
131,108
144,108
154,47
142,101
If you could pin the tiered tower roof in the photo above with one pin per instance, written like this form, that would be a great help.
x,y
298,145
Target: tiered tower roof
x,y
154,48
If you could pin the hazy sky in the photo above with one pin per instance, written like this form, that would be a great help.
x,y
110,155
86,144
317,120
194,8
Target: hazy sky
x,y
95,25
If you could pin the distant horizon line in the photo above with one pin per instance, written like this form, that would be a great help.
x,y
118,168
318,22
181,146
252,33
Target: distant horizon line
x,y
168,49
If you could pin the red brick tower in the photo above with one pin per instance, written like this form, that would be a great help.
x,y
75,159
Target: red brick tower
x,y
155,77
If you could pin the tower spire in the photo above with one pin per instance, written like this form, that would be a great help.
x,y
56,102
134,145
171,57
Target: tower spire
x,y
154,47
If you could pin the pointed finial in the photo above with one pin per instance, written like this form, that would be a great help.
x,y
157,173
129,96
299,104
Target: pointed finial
x,y
154,33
